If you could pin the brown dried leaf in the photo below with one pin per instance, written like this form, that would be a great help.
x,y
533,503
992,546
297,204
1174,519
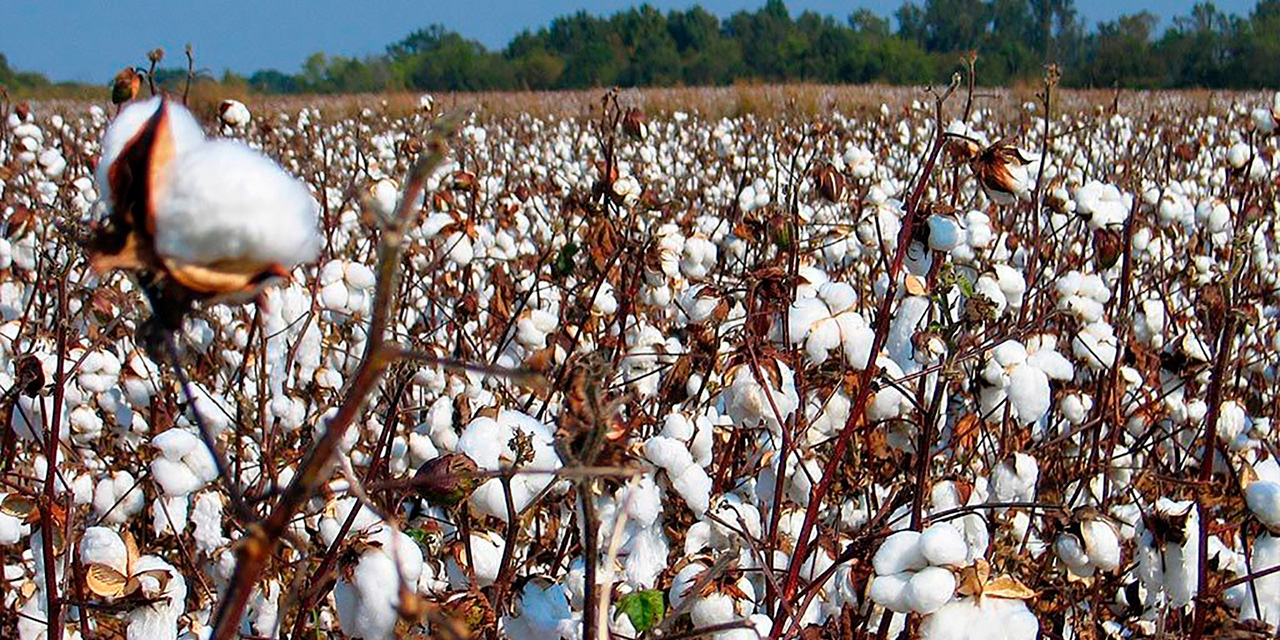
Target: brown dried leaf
x,y
104,581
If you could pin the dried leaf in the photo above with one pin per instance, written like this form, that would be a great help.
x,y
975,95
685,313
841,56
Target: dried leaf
x,y
104,581
1008,587
916,285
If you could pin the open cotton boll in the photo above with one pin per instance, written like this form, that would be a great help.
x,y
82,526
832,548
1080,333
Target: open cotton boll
x,y
1266,590
1102,544
187,134
367,604
899,552
1014,480
486,549
227,203
890,591
158,620
1167,568
942,545
1263,498
981,619
101,545
543,613
930,588
489,442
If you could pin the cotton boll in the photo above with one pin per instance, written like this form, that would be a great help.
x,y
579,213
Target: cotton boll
x,y
1265,555
487,549
543,614
367,605
1029,394
158,620
229,203
945,233
1014,480
1263,498
899,552
1102,544
101,545
930,588
890,591
942,545
186,132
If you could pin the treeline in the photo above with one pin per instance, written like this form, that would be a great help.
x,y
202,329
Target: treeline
x,y
12,79
646,47
924,43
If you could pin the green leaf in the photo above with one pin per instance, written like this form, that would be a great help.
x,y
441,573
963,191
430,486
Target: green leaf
x,y
644,608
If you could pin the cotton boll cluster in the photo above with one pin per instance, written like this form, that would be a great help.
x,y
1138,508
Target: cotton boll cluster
x,y
1102,205
914,569
510,439
977,618
1020,375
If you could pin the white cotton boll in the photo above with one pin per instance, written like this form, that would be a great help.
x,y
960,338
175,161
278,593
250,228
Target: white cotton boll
x,y
186,135
1265,555
385,194
543,613
175,478
233,113
899,552
1263,121
206,516
367,605
226,202
101,545
930,588
1029,394
169,514
1072,552
118,498
487,549
890,591
158,620
1263,498
683,581
942,545
1102,544
12,529
945,233
1014,480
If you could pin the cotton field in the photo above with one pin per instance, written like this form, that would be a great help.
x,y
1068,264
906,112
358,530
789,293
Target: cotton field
x,y
947,364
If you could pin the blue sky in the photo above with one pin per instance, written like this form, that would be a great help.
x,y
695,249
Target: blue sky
x,y
89,40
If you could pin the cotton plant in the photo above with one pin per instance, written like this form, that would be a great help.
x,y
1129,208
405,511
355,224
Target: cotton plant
x,y
829,322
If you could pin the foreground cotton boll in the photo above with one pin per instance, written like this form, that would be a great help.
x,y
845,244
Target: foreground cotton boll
x,y
543,613
1167,565
229,204
981,619
942,545
367,603
187,134
159,619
